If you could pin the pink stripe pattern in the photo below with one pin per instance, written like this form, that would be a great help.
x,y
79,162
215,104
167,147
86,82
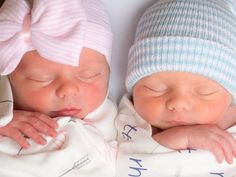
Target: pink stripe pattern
x,y
57,29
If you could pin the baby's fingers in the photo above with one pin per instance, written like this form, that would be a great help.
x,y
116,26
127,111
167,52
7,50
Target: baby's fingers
x,y
25,116
227,148
42,127
233,143
217,150
30,132
47,120
16,135
228,137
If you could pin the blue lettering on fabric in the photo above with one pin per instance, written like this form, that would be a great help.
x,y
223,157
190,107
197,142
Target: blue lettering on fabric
x,y
137,169
189,150
218,174
127,131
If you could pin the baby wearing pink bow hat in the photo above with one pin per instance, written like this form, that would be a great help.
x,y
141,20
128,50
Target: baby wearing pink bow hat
x,y
56,55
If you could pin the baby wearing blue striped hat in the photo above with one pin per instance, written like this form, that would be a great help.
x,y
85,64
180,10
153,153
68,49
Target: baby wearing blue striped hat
x,y
180,79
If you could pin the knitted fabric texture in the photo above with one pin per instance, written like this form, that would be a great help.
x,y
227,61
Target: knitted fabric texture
x,y
197,36
57,29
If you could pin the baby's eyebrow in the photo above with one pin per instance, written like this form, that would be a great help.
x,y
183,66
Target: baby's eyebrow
x,y
32,71
207,85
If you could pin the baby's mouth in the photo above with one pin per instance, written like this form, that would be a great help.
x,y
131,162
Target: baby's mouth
x,y
66,112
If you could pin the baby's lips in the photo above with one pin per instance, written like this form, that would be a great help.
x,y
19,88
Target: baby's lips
x,y
67,112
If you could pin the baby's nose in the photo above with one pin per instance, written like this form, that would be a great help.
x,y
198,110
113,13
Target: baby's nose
x,y
67,89
179,103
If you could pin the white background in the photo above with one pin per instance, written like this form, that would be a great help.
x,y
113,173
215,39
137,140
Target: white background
x,y
124,15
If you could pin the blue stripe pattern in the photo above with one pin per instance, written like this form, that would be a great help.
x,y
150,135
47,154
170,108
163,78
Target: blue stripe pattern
x,y
197,36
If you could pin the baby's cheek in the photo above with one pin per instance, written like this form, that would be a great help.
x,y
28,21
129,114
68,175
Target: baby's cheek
x,y
212,115
40,102
94,97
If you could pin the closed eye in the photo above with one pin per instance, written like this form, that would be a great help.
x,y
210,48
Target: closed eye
x,y
156,91
87,76
206,91
40,79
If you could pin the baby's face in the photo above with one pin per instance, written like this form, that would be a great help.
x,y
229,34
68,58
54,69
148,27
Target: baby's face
x,y
60,90
169,99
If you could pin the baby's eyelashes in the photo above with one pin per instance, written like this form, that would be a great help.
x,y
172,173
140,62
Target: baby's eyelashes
x,y
88,75
41,79
156,91
205,91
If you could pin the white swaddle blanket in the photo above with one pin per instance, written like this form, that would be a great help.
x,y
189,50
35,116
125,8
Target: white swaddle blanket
x,y
83,148
141,156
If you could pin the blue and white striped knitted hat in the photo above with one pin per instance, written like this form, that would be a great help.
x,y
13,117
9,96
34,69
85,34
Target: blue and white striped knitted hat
x,y
197,36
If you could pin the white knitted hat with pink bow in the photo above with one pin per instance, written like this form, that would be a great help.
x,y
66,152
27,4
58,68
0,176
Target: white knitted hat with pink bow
x,y
57,29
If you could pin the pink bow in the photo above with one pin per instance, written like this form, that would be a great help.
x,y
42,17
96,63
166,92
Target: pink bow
x,y
55,28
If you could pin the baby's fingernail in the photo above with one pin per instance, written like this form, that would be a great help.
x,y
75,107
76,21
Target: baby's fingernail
x,y
230,161
43,142
26,145
234,153
53,134
219,160
55,125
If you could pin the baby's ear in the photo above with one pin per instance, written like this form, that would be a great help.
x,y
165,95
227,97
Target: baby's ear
x,y
229,118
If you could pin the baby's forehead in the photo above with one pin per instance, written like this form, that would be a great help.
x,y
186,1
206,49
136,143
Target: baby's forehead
x,y
89,59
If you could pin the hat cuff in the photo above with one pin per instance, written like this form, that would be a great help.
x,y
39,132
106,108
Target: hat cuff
x,y
182,54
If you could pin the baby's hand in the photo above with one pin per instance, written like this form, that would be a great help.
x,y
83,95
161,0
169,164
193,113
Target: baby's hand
x,y
207,137
29,124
